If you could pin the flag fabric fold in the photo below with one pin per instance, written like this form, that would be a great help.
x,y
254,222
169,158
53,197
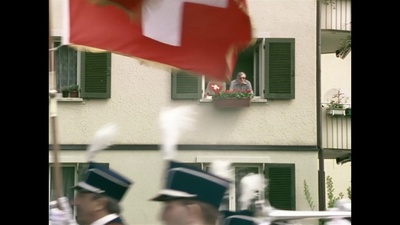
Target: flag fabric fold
x,y
201,36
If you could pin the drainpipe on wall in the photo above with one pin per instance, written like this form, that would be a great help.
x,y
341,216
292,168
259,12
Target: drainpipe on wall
x,y
321,171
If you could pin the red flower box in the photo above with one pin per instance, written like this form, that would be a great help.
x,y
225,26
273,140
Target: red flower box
x,y
232,102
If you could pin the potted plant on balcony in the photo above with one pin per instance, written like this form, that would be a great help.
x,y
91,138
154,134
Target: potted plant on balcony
x,y
65,92
348,111
232,98
336,107
74,91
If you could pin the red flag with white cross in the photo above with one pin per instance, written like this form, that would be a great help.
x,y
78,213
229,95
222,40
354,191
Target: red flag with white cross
x,y
201,36
216,87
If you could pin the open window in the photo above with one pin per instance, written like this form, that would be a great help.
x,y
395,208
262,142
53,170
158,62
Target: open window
x,y
268,64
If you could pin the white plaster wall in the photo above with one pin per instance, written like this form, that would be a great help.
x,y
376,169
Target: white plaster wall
x,y
341,177
57,13
335,73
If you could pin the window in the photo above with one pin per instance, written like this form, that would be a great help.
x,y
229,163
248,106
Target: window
x,y
91,71
280,190
231,199
71,173
268,64
186,85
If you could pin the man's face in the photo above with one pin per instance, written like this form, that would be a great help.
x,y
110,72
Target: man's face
x,y
86,207
242,79
175,213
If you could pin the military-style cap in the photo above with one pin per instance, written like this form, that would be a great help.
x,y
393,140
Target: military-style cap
x,y
102,180
185,181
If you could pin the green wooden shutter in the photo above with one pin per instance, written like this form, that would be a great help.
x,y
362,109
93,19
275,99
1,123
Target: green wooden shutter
x,y
185,85
279,68
196,165
281,190
95,75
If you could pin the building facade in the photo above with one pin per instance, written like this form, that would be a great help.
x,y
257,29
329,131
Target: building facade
x,y
277,135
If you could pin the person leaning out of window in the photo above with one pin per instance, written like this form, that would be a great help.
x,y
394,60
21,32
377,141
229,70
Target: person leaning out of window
x,y
240,83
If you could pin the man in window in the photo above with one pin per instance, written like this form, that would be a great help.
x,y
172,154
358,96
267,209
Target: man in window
x,y
241,84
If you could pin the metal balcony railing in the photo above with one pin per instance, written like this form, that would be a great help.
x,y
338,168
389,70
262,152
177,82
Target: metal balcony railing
x,y
336,15
336,131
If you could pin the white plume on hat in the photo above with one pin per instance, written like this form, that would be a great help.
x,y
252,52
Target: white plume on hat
x,y
250,187
173,121
338,221
102,139
222,168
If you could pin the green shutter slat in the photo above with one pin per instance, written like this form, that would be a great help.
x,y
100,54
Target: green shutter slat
x,y
96,75
281,186
279,66
185,85
279,59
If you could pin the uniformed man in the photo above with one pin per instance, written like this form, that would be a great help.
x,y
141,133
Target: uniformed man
x,y
191,196
97,198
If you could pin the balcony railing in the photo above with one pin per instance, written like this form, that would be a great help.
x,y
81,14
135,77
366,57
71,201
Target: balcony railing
x,y
336,131
336,15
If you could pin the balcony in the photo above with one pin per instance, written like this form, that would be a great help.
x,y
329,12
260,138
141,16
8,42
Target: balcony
x,y
336,136
335,25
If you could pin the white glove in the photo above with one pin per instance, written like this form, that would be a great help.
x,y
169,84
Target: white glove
x,y
58,217
338,221
64,216
344,204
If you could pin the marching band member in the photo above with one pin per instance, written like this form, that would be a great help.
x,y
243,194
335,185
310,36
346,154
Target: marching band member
x,y
98,194
191,196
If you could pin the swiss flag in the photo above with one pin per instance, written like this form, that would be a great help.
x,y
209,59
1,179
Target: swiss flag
x,y
201,36
216,87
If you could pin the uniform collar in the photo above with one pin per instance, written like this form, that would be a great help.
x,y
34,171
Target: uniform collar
x,y
105,219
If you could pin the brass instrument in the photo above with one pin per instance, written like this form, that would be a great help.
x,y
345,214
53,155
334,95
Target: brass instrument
x,y
266,214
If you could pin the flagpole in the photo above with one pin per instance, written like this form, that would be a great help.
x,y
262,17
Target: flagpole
x,y
53,114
